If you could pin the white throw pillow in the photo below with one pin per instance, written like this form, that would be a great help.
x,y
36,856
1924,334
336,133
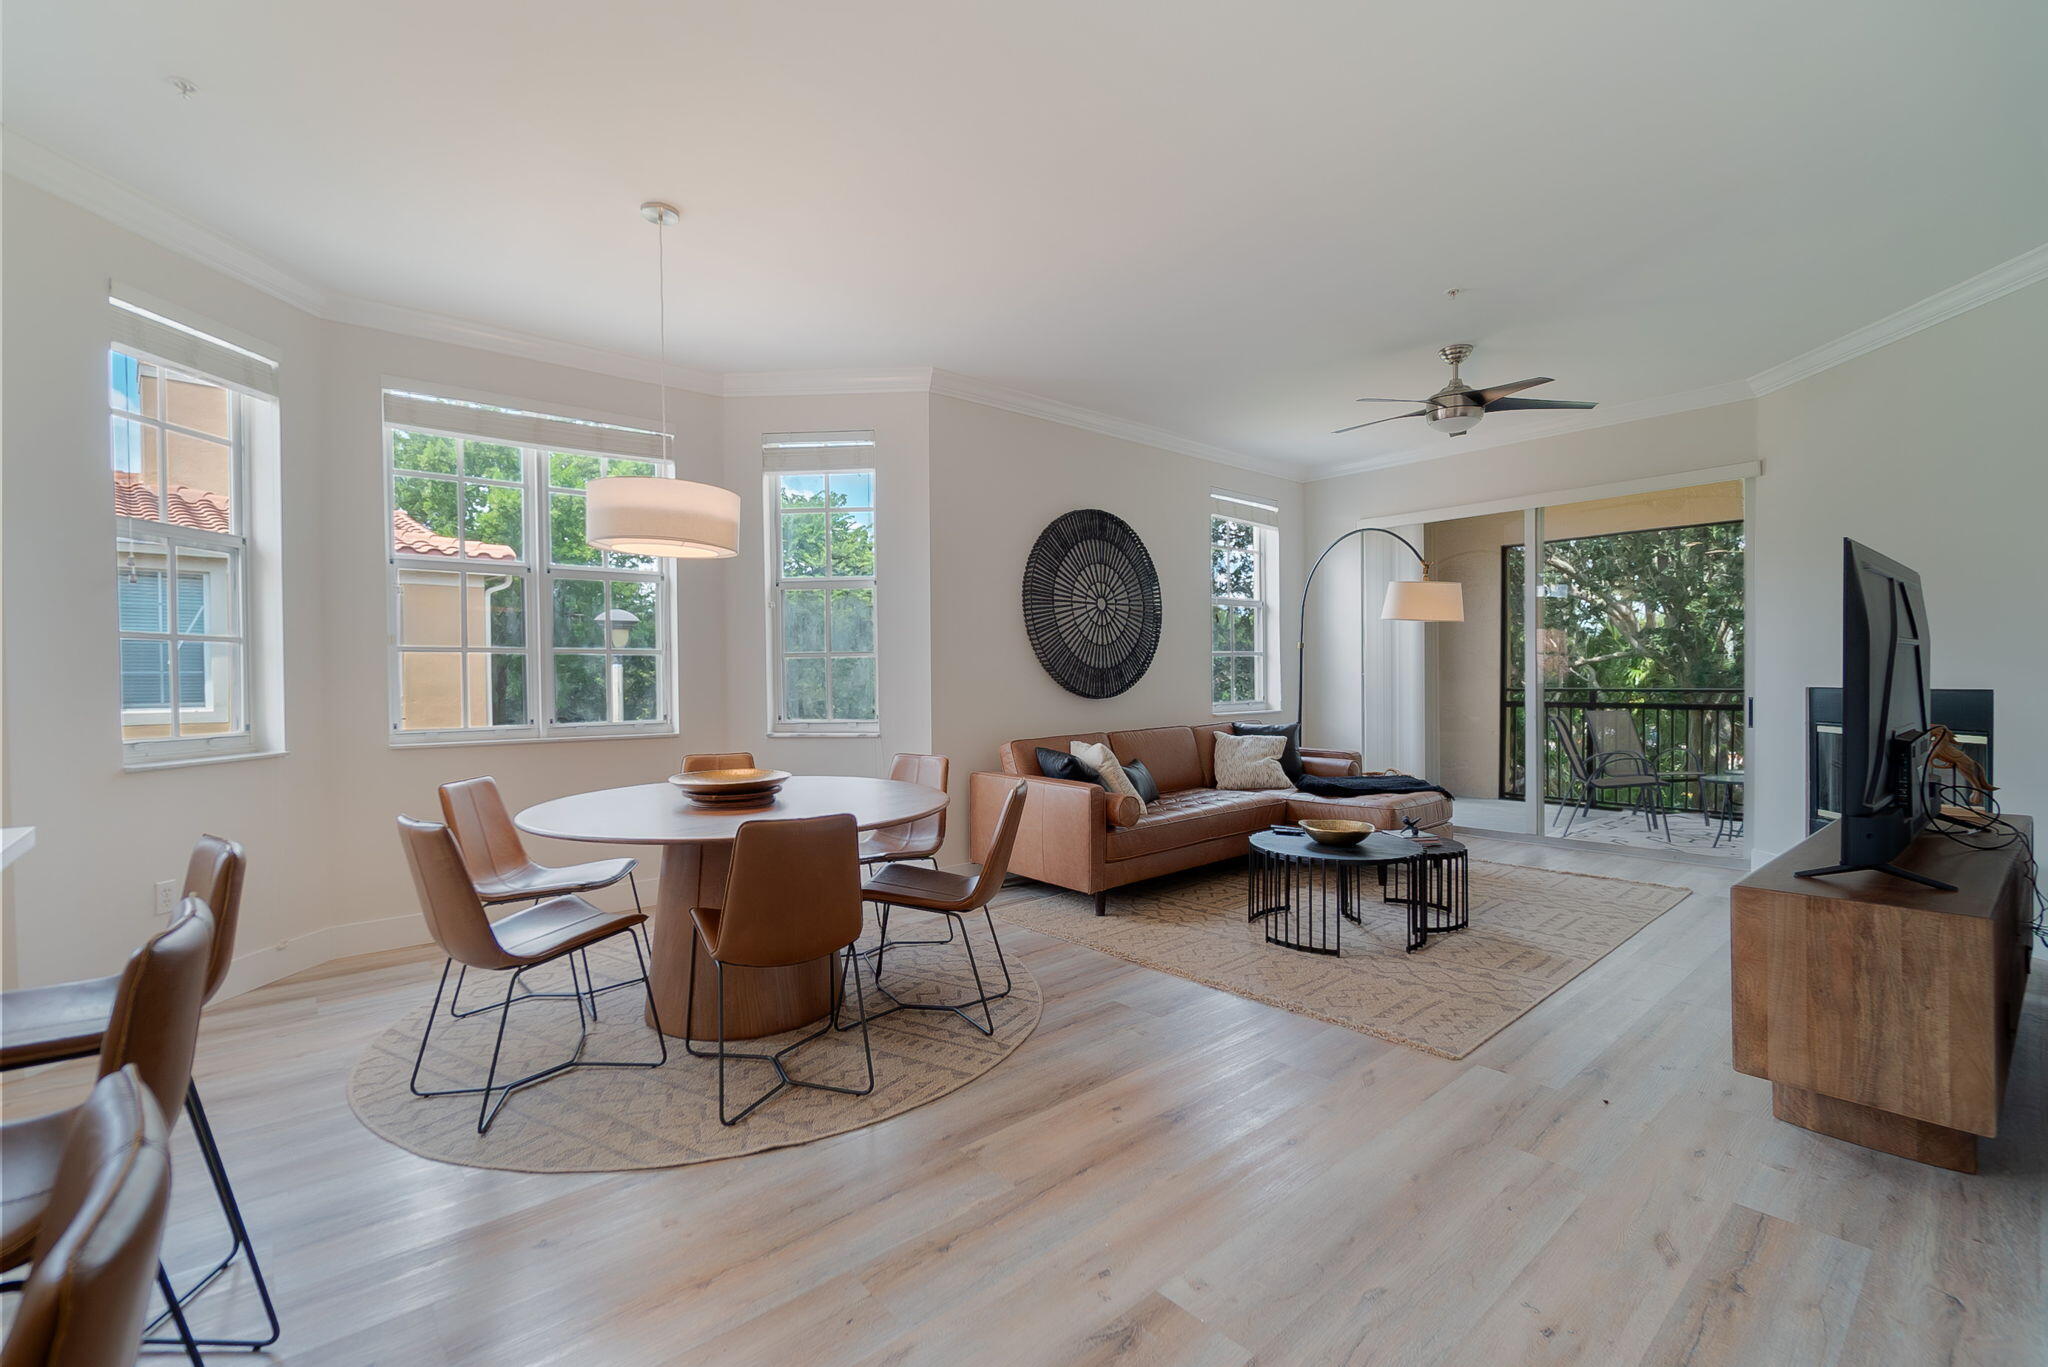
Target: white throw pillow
x,y
1103,761
1250,764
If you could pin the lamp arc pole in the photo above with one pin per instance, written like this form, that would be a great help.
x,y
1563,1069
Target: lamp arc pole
x,y
1301,637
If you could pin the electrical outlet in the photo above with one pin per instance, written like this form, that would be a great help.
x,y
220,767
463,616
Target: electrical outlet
x,y
166,897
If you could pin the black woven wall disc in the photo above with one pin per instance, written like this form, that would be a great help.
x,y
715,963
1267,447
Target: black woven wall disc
x,y
1091,603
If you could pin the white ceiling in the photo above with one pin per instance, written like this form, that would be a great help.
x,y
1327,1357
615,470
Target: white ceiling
x,y
1223,219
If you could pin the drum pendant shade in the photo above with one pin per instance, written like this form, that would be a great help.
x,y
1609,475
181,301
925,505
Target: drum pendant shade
x,y
673,518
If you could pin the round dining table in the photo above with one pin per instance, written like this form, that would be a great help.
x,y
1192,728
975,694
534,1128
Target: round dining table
x,y
696,850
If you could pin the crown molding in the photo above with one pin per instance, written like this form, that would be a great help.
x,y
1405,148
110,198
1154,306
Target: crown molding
x,y
992,395
98,194
2027,268
504,341
762,384
1562,424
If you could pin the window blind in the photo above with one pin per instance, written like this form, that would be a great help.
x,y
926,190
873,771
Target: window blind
x,y
139,323
817,451
520,428
1243,507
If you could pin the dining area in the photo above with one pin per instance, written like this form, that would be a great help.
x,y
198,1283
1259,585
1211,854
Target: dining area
x,y
801,965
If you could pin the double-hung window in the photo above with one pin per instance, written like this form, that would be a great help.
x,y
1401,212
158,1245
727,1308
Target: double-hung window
x,y
506,623
822,583
1244,562
186,410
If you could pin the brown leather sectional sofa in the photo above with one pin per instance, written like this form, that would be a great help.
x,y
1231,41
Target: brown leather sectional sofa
x,y
1077,836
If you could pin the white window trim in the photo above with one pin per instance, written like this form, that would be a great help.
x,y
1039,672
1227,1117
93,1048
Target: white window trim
x,y
780,726
1266,549
538,573
158,752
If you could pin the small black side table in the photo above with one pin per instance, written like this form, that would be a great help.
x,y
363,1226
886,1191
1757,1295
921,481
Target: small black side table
x,y
1725,815
1306,891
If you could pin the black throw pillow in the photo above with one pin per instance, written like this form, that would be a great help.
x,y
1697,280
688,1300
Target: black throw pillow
x,y
1290,758
1060,764
1141,779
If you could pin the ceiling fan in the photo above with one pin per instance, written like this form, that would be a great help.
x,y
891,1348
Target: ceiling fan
x,y
1457,408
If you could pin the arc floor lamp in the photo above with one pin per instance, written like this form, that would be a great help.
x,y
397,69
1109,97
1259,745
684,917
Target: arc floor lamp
x,y
1408,600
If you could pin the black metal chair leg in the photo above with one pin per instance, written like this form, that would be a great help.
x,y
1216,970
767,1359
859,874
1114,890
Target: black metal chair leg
x,y
238,1231
177,1314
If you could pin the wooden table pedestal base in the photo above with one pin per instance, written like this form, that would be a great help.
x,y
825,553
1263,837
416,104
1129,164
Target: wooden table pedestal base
x,y
1918,1140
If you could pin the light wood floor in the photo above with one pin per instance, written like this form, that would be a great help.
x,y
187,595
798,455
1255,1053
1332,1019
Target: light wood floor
x,y
1163,1174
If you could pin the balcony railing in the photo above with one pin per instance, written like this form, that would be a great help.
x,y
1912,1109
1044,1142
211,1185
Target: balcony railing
x,y
1681,728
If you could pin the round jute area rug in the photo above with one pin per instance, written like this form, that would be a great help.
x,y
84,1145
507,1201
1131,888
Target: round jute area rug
x,y
617,1119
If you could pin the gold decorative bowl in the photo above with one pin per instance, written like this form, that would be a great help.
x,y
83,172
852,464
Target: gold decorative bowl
x,y
1336,832
736,787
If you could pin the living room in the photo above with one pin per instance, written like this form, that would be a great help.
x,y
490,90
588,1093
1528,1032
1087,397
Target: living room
x,y
938,434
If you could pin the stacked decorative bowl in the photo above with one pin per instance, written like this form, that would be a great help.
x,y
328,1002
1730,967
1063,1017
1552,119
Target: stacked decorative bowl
x,y
1337,832
731,787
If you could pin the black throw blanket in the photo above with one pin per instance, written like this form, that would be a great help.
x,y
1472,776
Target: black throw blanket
x,y
1372,784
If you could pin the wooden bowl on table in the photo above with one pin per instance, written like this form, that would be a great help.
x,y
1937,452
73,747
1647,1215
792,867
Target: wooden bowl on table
x,y
1330,832
731,787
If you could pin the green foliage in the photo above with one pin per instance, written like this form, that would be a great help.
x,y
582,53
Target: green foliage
x,y
579,688
1233,563
1651,609
420,451
829,540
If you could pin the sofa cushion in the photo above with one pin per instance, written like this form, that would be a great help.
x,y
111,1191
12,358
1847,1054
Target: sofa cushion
x,y
1054,764
1192,815
1251,764
1141,779
1168,751
1205,746
1290,758
1021,756
1384,810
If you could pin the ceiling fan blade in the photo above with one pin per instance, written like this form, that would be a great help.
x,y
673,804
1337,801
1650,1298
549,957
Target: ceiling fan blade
x,y
1501,391
1510,405
1390,401
1418,413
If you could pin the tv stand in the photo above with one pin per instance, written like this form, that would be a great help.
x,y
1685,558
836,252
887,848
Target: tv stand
x,y
1893,869
1883,1012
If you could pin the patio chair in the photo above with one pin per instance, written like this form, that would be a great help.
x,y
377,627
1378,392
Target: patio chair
x,y
1608,772
1614,732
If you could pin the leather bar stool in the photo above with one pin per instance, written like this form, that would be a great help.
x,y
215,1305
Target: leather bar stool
x,y
792,896
953,896
97,1244
501,871
918,839
68,1020
732,759
154,1025
554,929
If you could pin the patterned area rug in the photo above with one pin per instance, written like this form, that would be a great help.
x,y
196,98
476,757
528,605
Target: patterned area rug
x,y
616,1119
1532,931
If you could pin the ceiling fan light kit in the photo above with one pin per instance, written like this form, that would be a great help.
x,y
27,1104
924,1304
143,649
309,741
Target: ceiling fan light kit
x,y
1457,408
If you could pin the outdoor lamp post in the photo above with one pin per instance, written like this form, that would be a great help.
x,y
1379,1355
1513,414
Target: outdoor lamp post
x,y
619,623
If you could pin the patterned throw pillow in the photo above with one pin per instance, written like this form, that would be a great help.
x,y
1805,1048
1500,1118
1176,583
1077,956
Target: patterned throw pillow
x,y
1250,764
1103,761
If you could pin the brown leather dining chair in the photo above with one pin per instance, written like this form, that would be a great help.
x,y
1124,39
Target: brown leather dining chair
x,y
154,1025
558,928
952,895
501,871
68,1020
732,759
97,1245
792,897
919,839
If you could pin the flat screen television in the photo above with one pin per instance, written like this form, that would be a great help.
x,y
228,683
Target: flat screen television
x,y
1886,666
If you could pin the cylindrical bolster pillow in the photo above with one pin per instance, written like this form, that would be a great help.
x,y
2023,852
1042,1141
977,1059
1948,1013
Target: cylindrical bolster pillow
x,y
1123,809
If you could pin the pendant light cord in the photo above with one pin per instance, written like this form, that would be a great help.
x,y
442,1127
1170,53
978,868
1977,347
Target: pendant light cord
x,y
661,323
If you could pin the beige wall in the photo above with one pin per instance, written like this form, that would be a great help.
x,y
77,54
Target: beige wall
x,y
1466,680
997,479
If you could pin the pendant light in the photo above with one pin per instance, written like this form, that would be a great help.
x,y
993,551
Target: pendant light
x,y
675,519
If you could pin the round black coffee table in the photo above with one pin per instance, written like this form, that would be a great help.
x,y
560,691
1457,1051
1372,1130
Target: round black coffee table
x,y
1305,891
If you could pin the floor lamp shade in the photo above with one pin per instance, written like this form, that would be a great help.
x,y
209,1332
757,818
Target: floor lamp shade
x,y
1424,600
675,518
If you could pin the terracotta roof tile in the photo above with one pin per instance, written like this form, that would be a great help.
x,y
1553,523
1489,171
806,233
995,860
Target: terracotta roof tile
x,y
200,509
410,537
